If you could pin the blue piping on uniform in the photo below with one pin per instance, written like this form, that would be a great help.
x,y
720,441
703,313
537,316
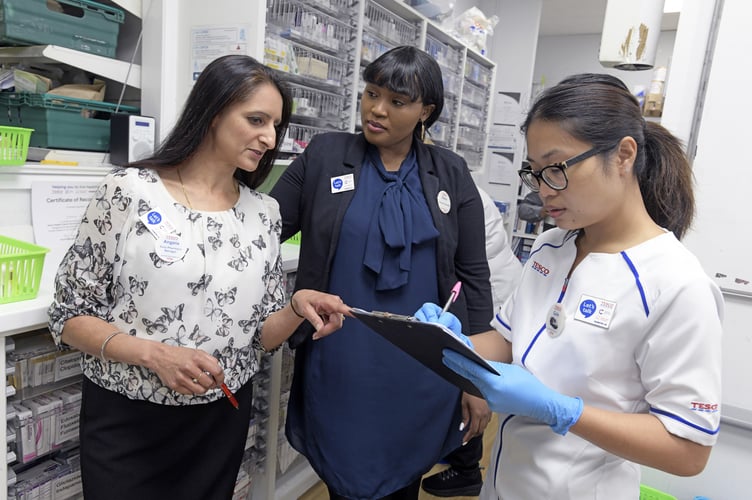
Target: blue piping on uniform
x,y
685,422
567,237
498,318
501,447
532,343
637,282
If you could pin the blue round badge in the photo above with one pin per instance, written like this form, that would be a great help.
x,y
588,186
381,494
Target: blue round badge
x,y
587,308
154,217
337,184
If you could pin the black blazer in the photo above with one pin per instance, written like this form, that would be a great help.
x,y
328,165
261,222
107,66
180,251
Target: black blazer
x,y
308,205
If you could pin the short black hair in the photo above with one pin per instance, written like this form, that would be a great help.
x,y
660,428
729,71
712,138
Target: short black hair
x,y
412,72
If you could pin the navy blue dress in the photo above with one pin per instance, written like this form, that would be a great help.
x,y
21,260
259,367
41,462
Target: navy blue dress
x,y
373,420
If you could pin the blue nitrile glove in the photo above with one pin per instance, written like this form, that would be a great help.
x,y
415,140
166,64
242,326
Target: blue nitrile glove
x,y
431,313
517,391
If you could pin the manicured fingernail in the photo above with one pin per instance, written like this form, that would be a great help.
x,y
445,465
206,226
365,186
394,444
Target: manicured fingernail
x,y
462,426
464,443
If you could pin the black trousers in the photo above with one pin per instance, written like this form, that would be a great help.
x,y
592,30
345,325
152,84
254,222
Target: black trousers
x,y
467,457
136,450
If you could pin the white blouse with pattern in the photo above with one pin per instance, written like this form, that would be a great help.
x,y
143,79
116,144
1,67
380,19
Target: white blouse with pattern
x,y
212,291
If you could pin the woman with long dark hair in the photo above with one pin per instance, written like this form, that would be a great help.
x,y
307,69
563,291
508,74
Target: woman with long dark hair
x,y
173,290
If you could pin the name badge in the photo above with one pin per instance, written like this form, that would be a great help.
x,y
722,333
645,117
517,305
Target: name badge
x,y
157,223
595,311
342,183
444,202
556,320
170,247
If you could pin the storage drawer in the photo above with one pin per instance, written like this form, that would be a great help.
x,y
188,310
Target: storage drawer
x,y
77,24
61,122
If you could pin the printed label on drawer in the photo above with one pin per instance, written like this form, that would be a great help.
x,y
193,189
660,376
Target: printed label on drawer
x,y
67,426
68,486
67,365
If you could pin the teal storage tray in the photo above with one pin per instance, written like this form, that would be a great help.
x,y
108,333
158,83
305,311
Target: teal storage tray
x,y
61,122
82,25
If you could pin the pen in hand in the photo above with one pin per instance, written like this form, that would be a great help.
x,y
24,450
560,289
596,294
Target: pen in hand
x,y
227,391
452,296
230,395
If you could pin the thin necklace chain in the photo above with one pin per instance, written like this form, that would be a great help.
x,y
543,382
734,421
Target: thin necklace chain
x,y
182,186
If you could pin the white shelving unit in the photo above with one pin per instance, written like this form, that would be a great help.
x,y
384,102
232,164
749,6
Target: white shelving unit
x,y
164,80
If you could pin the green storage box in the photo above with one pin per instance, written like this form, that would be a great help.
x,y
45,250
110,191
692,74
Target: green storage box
x,y
77,24
648,493
61,122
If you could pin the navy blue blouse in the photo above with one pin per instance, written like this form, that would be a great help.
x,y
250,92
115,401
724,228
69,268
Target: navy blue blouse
x,y
373,419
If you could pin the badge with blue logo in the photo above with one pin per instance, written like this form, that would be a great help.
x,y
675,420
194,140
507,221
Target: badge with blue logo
x,y
157,223
595,311
342,183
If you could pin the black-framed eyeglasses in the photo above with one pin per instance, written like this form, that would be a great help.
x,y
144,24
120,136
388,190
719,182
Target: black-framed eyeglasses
x,y
555,175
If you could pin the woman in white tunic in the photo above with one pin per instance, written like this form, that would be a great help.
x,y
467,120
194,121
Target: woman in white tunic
x,y
610,349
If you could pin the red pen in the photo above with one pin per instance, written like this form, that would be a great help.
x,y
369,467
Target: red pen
x,y
230,395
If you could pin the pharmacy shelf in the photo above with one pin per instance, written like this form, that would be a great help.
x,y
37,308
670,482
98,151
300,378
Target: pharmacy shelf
x,y
298,479
527,236
25,315
107,67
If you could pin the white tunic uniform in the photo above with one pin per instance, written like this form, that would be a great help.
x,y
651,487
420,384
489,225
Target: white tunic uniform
x,y
638,331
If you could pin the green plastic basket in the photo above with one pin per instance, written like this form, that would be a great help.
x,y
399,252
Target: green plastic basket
x,y
294,239
648,493
14,145
21,265
61,122
81,25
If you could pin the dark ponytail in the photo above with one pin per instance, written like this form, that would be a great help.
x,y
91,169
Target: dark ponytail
x,y
666,183
600,110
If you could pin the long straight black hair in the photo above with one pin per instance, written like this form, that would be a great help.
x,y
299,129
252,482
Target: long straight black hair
x,y
224,82
599,109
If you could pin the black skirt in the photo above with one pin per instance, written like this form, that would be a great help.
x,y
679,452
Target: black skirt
x,y
137,450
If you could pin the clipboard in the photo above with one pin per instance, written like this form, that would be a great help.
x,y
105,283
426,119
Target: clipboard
x,y
424,342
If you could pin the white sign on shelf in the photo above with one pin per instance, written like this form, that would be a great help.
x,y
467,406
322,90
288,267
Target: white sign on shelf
x,y
56,211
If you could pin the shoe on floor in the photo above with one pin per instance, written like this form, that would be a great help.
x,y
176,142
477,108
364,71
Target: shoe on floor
x,y
452,482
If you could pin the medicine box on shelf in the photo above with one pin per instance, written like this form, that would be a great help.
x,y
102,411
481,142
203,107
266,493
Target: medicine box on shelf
x,y
77,24
59,121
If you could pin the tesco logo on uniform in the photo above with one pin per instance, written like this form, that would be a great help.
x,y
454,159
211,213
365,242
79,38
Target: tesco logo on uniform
x,y
706,407
541,269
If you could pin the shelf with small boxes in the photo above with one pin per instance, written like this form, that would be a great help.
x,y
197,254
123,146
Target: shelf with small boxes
x,y
449,53
312,44
474,108
66,61
42,413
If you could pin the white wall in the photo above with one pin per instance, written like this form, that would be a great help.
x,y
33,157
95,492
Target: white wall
x,y
561,56
166,66
512,47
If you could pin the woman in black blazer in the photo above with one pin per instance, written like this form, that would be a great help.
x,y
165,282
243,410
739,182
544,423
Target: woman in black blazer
x,y
387,223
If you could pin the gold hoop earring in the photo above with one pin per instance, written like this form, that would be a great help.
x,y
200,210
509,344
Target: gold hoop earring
x,y
422,131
